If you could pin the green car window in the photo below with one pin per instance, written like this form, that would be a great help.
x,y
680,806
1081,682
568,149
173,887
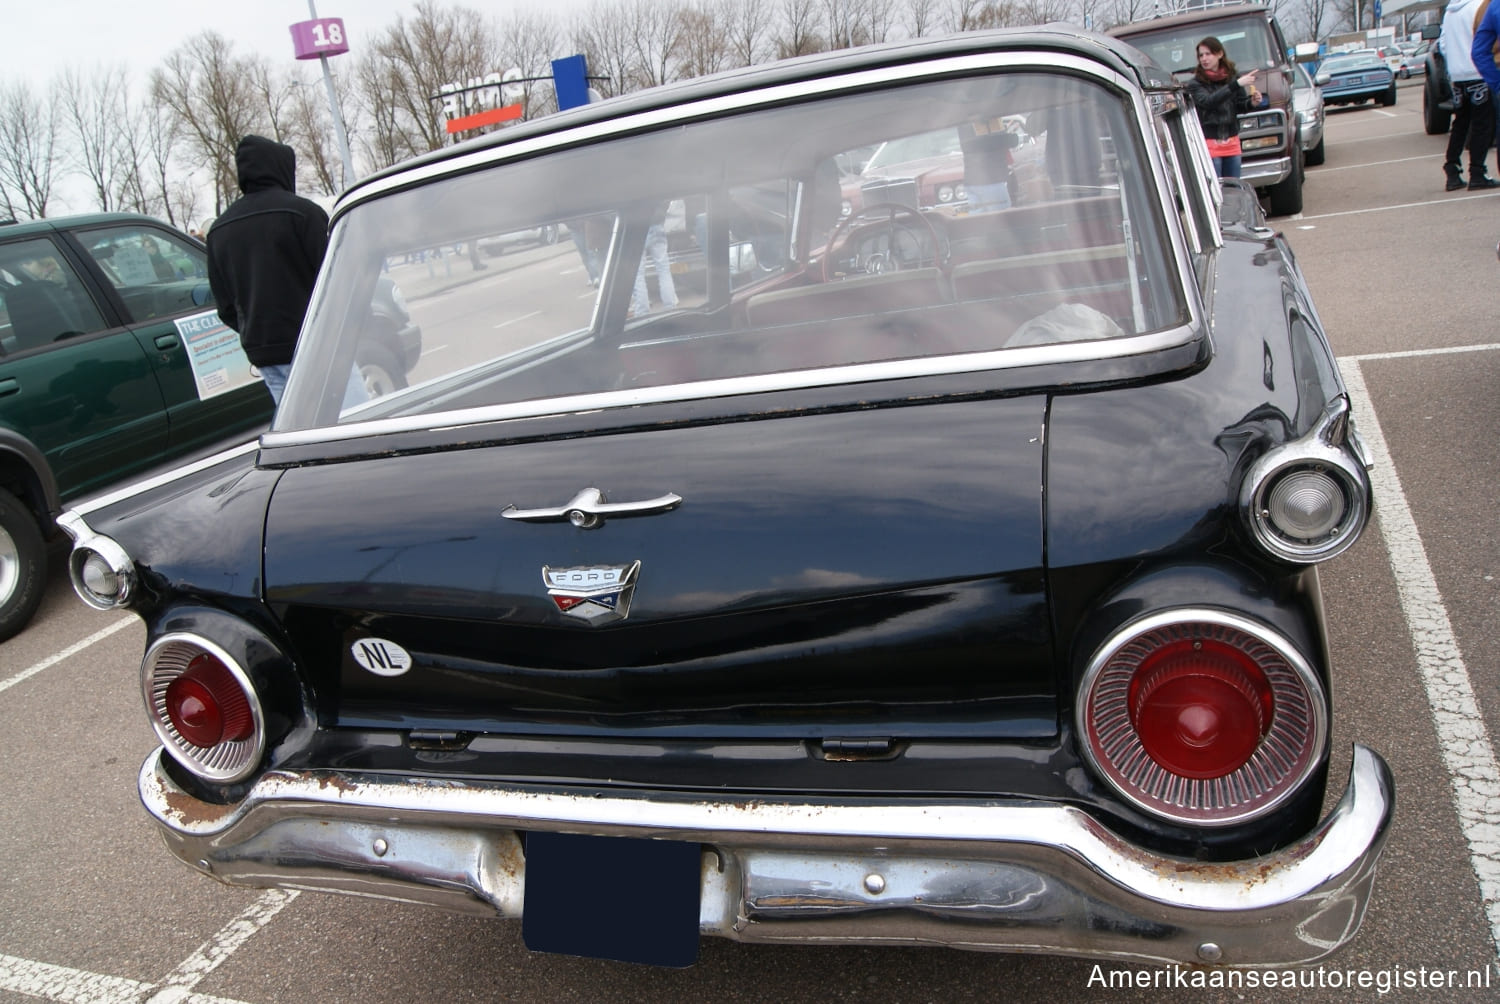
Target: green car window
x,y
156,274
42,299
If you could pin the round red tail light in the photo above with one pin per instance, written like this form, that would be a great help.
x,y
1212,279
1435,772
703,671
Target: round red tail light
x,y
206,705
203,707
1202,717
1200,708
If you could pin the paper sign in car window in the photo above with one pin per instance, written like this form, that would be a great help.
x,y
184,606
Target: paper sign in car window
x,y
219,363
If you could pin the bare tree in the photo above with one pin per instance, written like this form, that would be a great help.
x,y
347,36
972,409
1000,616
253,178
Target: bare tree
x,y
921,17
386,140
747,30
800,28
438,47
529,41
703,45
1038,11
28,148
656,31
602,33
212,93
95,111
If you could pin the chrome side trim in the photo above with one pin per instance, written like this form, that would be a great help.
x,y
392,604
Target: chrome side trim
x,y
1004,876
119,494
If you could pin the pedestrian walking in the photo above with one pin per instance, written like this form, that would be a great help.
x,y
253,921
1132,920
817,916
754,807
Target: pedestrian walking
x,y
1473,111
264,253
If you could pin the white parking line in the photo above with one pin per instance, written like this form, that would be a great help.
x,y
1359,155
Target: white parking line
x,y
68,652
1463,739
75,986
1405,205
1380,163
179,983
518,320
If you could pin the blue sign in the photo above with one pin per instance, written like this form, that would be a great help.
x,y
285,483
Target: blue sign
x,y
570,76
1377,12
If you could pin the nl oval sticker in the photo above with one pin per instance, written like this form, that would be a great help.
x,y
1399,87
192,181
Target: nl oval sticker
x,y
381,657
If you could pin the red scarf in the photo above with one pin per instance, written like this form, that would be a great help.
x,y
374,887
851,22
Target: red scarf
x,y
1217,76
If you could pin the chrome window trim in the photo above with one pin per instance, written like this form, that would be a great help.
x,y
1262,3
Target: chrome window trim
x,y
1000,359
739,101
1177,246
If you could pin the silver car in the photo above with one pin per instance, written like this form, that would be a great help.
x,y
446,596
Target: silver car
x,y
1307,102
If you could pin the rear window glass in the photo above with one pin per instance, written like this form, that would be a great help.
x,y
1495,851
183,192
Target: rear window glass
x,y
1247,41
933,220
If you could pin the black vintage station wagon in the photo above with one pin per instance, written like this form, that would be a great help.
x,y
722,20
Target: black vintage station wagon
x,y
896,573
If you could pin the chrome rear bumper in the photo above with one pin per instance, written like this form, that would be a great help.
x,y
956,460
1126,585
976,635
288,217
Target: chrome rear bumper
x,y
1012,876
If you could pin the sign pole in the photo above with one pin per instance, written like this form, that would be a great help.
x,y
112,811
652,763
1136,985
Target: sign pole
x,y
333,105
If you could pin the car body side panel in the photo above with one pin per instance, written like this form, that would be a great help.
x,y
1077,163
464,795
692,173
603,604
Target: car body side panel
x,y
1270,380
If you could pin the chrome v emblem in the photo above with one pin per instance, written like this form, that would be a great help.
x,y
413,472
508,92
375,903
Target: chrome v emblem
x,y
588,509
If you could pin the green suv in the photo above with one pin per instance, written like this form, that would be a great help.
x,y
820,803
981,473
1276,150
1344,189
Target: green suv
x,y
112,360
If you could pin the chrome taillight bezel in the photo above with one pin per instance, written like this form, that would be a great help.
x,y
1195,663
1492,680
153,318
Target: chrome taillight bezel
x,y
89,545
1332,449
1292,750
225,762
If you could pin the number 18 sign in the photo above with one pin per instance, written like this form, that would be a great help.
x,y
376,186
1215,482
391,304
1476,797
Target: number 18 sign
x,y
323,37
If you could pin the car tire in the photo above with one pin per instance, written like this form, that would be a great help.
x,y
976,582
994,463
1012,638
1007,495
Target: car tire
x,y
1315,156
23,565
1434,118
1390,96
1286,195
1405,73
380,370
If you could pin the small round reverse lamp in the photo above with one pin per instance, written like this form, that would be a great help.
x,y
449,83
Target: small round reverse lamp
x,y
1306,505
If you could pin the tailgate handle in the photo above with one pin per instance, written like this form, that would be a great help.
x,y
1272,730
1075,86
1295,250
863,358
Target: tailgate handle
x,y
588,508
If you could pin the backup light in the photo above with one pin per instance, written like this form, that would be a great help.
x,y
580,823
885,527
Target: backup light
x,y
1308,500
102,573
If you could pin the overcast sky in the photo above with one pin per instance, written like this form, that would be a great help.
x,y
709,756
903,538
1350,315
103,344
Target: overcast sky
x,y
43,36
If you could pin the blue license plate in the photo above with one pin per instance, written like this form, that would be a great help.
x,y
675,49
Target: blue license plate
x,y
623,898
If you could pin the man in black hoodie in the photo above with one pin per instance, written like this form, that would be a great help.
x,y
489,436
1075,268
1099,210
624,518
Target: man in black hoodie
x,y
264,253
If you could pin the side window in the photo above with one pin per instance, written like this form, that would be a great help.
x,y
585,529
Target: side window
x,y
156,273
42,299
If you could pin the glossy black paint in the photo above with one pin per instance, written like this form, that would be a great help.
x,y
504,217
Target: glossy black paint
x,y
922,568
806,586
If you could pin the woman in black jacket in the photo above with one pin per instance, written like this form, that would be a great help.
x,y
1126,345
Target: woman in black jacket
x,y
1220,97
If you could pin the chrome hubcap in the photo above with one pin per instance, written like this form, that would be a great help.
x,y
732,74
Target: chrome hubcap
x,y
10,566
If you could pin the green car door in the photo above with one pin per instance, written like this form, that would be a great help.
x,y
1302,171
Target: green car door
x,y
73,384
161,278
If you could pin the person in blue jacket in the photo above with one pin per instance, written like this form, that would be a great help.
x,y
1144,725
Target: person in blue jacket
x,y
1484,51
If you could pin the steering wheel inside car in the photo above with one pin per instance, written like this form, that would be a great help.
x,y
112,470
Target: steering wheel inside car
x,y
901,232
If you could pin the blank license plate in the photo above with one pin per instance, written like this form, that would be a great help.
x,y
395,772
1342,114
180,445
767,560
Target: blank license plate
x,y
623,898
